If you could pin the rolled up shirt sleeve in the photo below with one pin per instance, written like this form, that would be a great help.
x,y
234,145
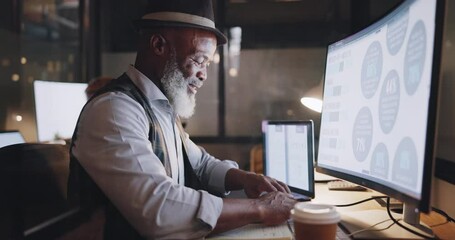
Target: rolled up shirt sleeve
x,y
116,153
209,169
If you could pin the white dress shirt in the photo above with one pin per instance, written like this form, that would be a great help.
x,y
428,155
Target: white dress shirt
x,y
112,146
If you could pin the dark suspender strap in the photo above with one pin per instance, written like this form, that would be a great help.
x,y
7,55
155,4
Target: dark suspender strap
x,y
156,135
82,188
191,179
92,195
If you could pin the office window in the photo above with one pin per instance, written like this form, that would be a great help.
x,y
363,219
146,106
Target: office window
x,y
38,40
268,85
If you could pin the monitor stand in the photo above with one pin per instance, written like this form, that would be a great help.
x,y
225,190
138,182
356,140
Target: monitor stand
x,y
358,220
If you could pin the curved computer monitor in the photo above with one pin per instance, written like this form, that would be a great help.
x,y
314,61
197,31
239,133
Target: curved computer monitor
x,y
380,99
57,108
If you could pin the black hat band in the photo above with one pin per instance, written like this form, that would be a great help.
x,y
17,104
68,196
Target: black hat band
x,y
180,17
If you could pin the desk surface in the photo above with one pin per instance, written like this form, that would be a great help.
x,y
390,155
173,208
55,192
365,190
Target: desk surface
x,y
323,195
438,223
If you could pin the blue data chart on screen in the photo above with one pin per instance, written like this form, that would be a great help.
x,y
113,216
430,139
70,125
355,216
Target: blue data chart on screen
x,y
377,86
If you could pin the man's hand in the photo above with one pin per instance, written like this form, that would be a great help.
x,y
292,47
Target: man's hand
x,y
253,184
275,207
270,209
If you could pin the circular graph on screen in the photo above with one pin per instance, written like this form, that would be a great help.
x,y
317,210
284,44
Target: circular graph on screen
x,y
371,69
379,165
414,58
396,31
362,134
404,170
389,101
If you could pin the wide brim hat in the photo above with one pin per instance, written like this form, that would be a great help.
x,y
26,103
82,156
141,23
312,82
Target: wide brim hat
x,y
180,13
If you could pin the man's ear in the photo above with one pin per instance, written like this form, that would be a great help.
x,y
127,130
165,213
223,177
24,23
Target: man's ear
x,y
158,44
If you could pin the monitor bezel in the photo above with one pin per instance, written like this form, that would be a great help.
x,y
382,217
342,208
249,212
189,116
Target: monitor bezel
x,y
311,154
424,203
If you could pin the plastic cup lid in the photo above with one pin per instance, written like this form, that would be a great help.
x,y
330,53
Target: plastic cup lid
x,y
315,213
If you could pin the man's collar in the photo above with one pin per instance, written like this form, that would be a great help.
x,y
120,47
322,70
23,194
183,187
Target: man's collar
x,y
146,85
149,88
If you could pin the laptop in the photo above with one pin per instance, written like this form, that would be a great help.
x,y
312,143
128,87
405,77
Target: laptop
x,y
10,138
289,155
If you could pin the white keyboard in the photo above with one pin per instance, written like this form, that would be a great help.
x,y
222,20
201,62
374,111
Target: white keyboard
x,y
344,186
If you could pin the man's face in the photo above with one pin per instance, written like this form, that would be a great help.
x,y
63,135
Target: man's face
x,y
186,69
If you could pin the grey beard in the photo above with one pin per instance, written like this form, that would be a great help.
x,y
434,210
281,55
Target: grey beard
x,y
175,88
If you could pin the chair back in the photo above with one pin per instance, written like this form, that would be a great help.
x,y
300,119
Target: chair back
x,y
33,179
256,159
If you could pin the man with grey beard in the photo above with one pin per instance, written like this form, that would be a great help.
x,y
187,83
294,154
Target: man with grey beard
x,y
130,154
175,88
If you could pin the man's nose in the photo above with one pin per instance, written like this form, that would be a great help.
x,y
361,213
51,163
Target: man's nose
x,y
202,74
